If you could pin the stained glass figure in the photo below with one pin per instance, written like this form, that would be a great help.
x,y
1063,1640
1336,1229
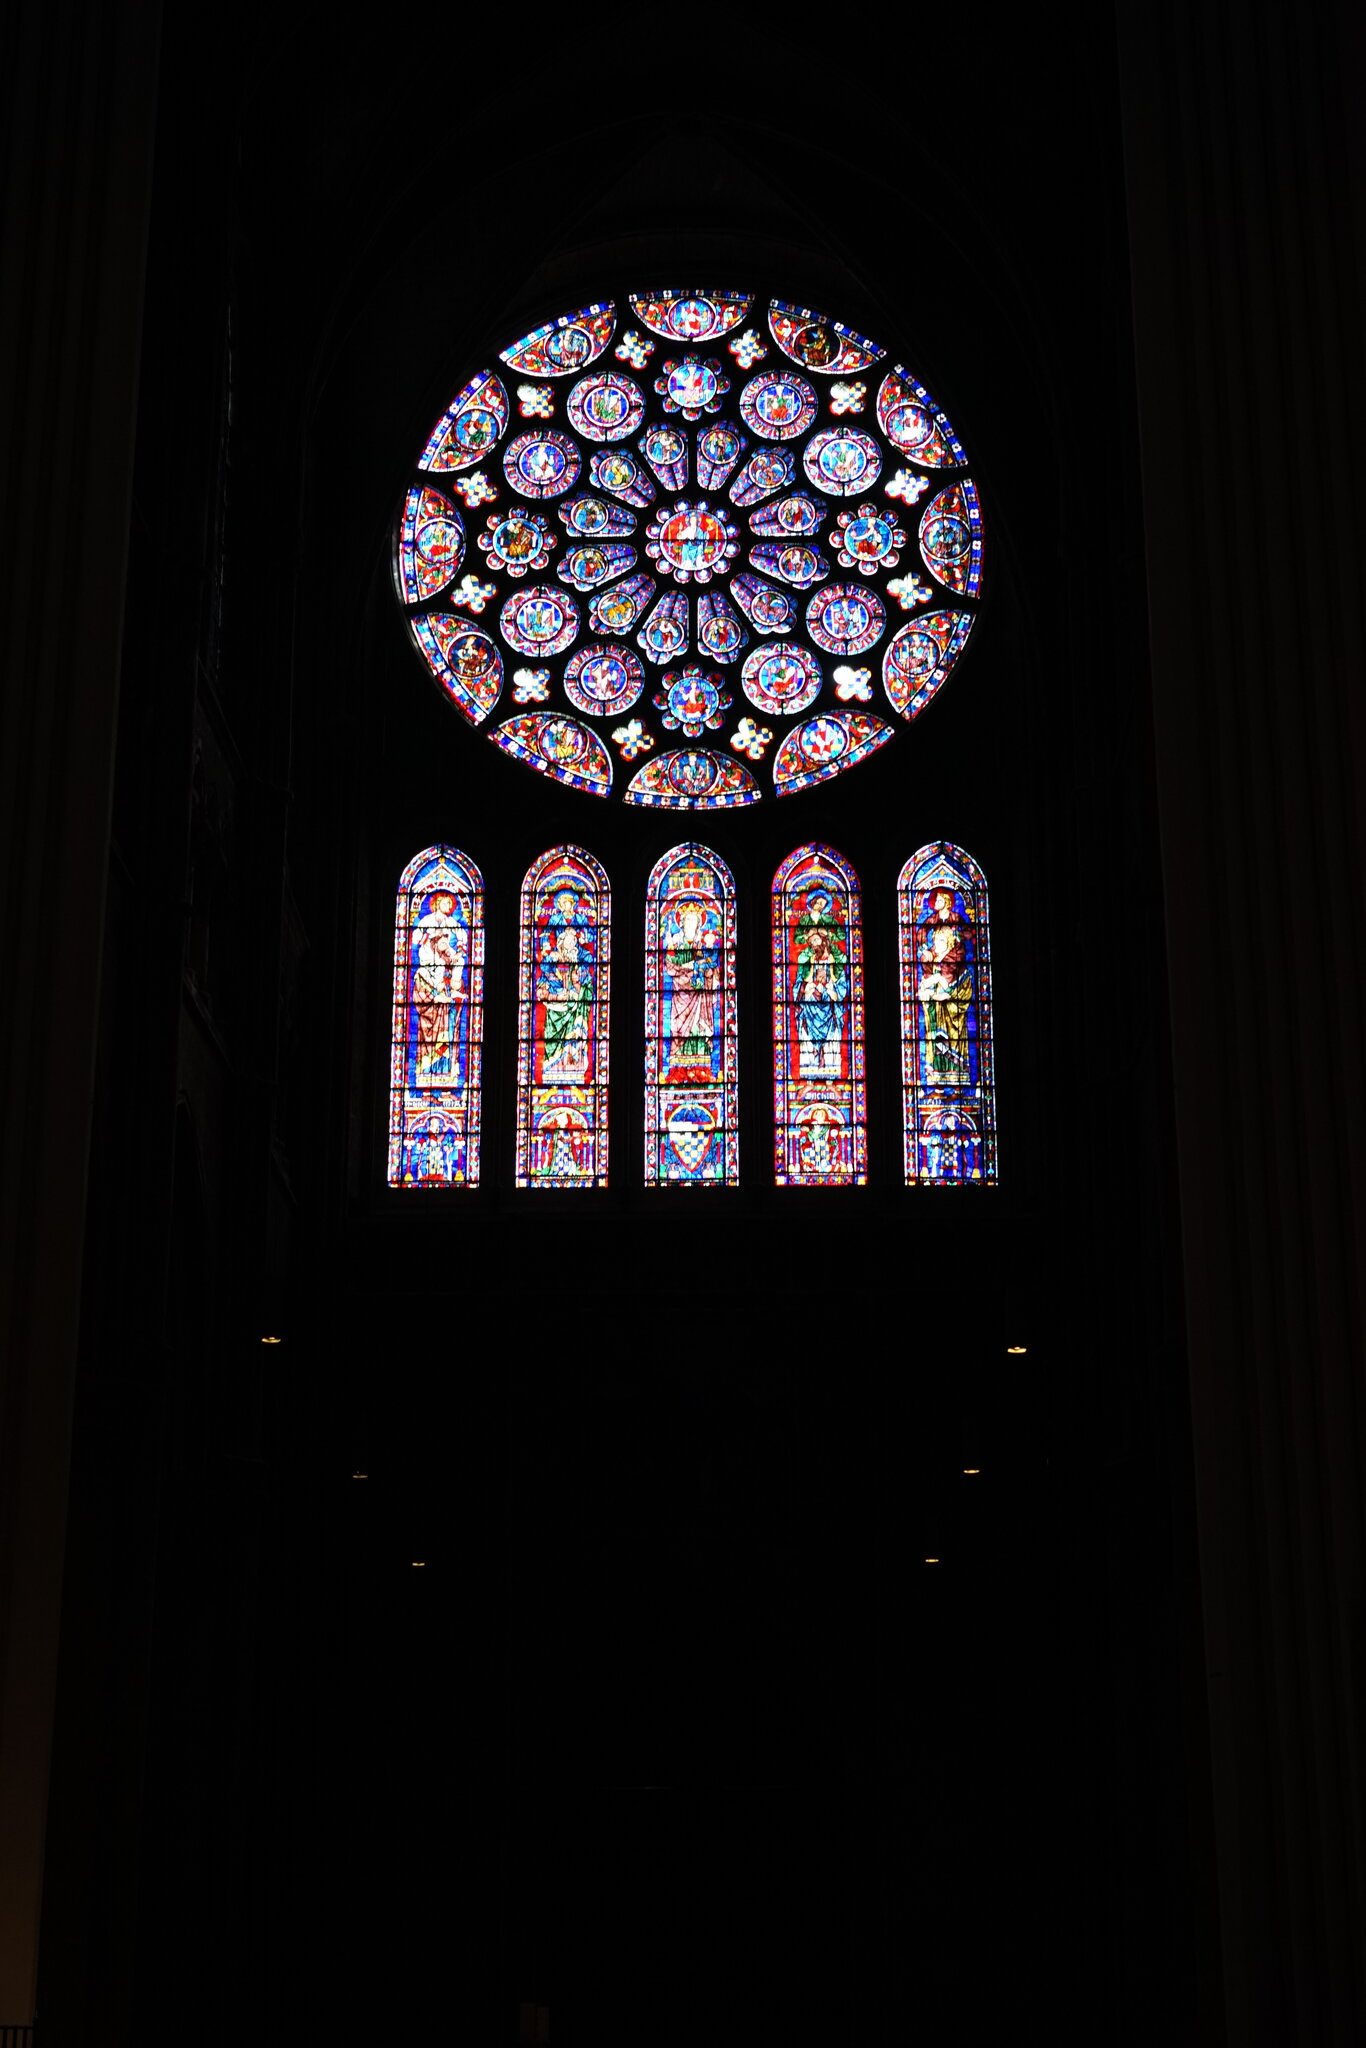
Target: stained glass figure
x,y
948,1086
558,746
473,421
820,1121
817,343
951,538
778,405
725,471
463,658
542,464
570,343
563,1022
690,315
692,779
842,460
430,545
826,745
438,1020
919,656
691,1066
606,406
913,423
602,680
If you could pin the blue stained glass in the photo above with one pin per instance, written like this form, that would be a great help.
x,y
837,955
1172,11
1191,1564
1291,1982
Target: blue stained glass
x,y
820,1122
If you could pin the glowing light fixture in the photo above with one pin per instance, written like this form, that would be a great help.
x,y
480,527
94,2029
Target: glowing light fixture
x,y
272,1340
419,1564
931,1560
972,1471
360,1475
1016,1350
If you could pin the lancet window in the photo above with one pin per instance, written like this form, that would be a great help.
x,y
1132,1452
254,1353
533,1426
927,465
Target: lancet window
x,y
948,1087
820,1120
563,1022
691,1089
438,1022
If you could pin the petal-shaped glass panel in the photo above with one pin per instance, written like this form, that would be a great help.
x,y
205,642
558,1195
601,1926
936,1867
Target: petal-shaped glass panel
x,y
570,343
540,621
794,563
557,746
826,745
778,404
688,316
841,460
846,618
471,425
768,609
616,610
692,779
951,538
429,545
463,658
587,568
595,519
781,680
914,424
817,343
918,658
719,632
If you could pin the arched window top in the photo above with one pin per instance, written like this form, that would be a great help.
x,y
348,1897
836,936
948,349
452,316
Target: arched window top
x,y
948,1083
692,1133
438,1022
692,547
820,1119
563,1022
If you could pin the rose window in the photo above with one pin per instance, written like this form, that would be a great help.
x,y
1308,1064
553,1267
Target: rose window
x,y
691,508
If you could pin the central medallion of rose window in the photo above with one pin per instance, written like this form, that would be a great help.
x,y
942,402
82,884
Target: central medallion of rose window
x,y
691,548
695,541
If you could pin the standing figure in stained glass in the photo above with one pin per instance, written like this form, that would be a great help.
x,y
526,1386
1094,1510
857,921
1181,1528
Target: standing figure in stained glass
x,y
440,944
692,985
820,988
566,986
944,990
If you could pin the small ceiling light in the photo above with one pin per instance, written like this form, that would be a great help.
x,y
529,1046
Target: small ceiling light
x,y
360,1475
272,1340
1017,1350
419,1564
972,1471
931,1560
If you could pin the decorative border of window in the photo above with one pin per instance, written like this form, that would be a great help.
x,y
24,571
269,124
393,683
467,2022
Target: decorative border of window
x,y
948,1086
438,1022
820,1136
563,1022
692,1135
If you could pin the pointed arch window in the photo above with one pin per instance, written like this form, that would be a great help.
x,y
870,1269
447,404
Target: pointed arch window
x,y
948,1087
438,1022
691,1091
563,1022
820,1118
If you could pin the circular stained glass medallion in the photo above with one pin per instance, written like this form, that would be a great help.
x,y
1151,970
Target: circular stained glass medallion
x,y
716,505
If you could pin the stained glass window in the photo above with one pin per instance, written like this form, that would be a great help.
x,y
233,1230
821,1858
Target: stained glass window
x,y
691,1134
563,1022
947,1084
438,1019
692,549
821,1132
